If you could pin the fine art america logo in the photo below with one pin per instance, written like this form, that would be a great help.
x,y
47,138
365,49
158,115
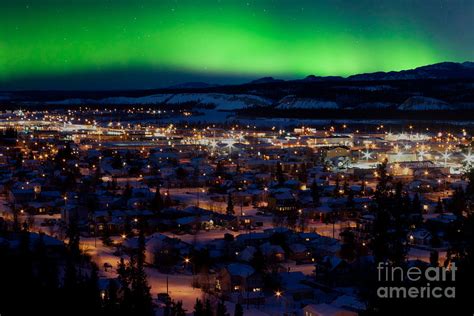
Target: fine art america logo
x,y
414,282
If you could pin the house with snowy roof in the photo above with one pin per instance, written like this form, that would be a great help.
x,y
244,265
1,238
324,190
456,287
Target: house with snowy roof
x,y
326,310
239,277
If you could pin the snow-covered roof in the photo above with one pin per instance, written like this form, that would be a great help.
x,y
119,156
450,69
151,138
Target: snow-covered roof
x,y
328,310
240,269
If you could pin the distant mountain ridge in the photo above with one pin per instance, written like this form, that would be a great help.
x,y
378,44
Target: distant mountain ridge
x,y
192,85
444,70
439,87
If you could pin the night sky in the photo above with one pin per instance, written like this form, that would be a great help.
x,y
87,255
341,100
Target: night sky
x,y
102,44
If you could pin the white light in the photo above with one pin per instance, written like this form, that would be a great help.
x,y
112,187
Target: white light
x,y
367,155
468,158
421,154
446,156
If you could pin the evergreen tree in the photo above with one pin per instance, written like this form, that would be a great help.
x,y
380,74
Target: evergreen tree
x,y
198,308
123,272
350,200
70,281
112,303
434,257
345,187
470,182
157,204
181,174
381,190
230,205
399,191
315,193
127,192
292,219
389,228
220,170
106,240
238,311
91,292
348,247
179,310
337,188
208,308
73,237
140,291
117,163
303,221
458,202
168,201
259,262
279,174
303,173
439,207
221,309
416,205
19,161
16,222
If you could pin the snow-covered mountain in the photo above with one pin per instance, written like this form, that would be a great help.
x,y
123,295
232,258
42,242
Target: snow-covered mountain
x,y
219,100
375,105
265,80
292,102
418,103
150,99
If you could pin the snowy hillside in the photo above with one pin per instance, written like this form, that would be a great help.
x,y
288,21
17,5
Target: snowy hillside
x,y
423,104
291,102
374,105
221,101
150,99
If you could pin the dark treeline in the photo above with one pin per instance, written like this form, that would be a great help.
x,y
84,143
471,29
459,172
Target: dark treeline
x,y
394,215
37,279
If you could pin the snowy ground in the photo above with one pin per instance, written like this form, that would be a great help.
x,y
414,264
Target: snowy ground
x,y
179,285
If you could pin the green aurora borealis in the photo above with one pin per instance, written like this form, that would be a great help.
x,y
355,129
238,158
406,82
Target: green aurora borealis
x,y
286,38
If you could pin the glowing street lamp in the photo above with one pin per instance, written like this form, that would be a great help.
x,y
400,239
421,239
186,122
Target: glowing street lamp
x,y
399,155
446,156
468,158
367,155
421,154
